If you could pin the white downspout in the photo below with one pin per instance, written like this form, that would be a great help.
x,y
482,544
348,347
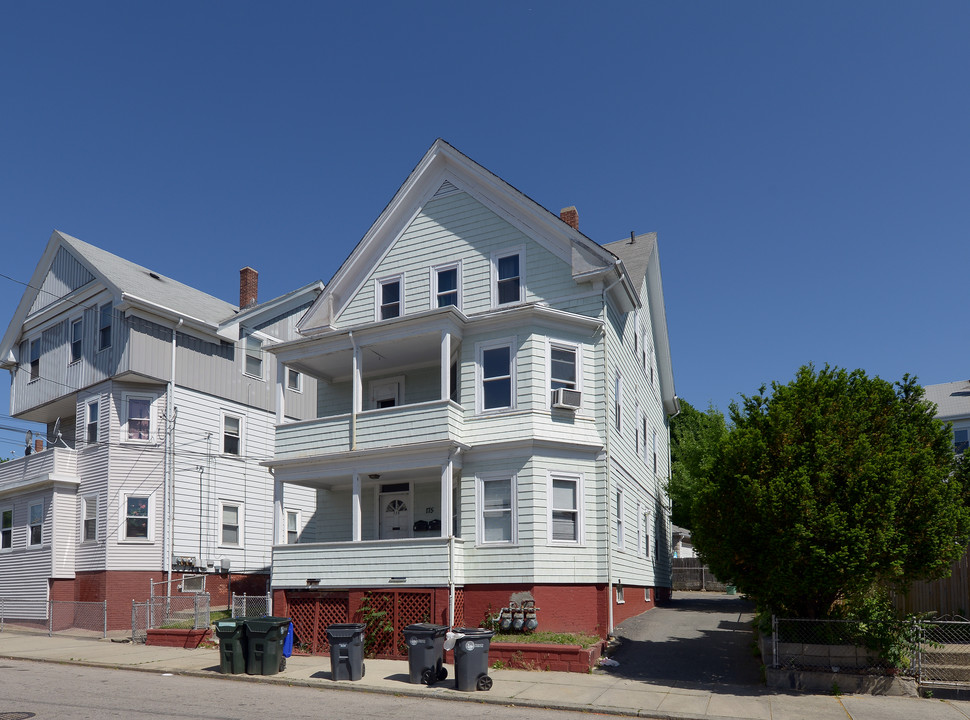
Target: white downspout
x,y
168,470
609,474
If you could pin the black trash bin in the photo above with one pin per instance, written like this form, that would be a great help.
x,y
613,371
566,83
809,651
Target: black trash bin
x,y
264,638
346,650
425,652
232,645
471,659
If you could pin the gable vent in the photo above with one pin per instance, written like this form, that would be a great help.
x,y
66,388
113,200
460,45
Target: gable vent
x,y
446,189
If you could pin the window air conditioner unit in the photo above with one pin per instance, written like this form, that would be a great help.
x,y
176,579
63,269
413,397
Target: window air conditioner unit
x,y
193,584
567,399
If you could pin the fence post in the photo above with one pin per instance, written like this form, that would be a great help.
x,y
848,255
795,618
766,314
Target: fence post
x,y
269,604
104,617
774,641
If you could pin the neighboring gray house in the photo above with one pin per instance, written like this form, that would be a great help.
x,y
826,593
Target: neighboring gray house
x,y
164,405
953,406
493,395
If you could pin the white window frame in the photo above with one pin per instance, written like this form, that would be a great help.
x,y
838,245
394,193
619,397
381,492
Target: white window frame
x,y
618,402
496,257
96,421
636,430
125,398
620,512
290,374
647,533
34,372
640,528
78,342
480,481
240,519
379,284
646,433
653,448
435,290
6,531
223,416
102,345
298,521
251,351
580,509
480,350
150,524
89,503
31,524
577,350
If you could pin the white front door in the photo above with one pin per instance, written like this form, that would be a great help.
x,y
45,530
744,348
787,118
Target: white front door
x,y
395,515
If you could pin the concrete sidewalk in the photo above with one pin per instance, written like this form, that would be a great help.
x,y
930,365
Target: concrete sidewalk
x,y
599,692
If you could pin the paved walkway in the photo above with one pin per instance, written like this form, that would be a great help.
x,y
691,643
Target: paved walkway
x,y
607,692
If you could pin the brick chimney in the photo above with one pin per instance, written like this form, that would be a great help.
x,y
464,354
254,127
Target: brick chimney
x,y
248,287
570,216
38,445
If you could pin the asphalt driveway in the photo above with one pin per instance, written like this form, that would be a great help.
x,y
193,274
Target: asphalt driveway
x,y
697,639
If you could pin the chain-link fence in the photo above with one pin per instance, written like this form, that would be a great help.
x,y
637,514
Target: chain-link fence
x,y
3,609
841,646
252,605
176,611
944,657
77,618
693,574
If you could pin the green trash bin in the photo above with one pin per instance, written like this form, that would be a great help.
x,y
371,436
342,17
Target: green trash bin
x,y
265,637
232,645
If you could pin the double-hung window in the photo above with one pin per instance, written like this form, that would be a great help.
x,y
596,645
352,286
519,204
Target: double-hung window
x,y
646,534
654,450
139,418
389,303
104,327
620,510
496,371
91,422
35,524
34,360
961,440
231,434
292,527
507,283
565,509
496,510
618,402
6,529
137,514
294,380
89,518
254,357
446,286
231,519
77,335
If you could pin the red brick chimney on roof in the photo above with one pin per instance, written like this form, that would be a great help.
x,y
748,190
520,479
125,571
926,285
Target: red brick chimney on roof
x,y
570,216
248,287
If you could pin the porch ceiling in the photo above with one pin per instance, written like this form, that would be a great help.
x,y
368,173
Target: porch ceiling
x,y
377,358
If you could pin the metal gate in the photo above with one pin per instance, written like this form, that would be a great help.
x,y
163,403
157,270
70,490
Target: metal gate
x,y
944,652
177,611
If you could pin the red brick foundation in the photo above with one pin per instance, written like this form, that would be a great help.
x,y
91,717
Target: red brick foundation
x,y
541,656
176,637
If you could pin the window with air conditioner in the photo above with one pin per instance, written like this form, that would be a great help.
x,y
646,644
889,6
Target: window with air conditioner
x,y
565,379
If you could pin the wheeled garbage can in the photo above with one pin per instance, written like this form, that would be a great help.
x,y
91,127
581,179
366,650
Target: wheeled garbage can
x,y
346,650
471,659
265,637
232,645
425,643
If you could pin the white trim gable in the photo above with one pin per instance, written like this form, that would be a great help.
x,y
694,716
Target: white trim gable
x,y
443,165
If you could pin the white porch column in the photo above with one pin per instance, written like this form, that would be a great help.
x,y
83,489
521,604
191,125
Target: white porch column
x,y
280,392
446,495
358,381
279,522
445,369
355,510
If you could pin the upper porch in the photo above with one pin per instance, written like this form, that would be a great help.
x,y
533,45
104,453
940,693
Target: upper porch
x,y
38,470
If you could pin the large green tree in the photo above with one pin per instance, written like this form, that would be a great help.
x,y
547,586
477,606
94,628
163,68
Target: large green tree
x,y
829,486
695,439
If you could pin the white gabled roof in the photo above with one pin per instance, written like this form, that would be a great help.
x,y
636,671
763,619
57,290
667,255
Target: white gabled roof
x,y
444,164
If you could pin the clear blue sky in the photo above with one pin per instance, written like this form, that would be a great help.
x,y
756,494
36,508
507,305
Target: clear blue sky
x,y
807,165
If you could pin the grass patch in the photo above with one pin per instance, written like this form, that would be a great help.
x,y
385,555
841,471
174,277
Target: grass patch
x,y
550,638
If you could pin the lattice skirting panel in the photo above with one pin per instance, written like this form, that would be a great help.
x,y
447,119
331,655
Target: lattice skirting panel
x,y
311,613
